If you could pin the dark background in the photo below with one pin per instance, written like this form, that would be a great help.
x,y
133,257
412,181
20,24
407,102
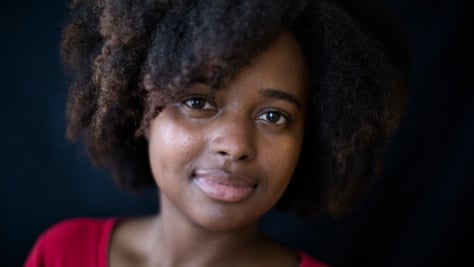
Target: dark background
x,y
419,213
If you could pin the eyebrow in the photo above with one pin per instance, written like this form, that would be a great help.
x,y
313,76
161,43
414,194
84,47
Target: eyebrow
x,y
282,95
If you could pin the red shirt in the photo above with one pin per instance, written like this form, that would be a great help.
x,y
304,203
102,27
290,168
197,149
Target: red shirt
x,y
85,242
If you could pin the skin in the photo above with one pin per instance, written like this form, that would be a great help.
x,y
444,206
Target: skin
x,y
249,132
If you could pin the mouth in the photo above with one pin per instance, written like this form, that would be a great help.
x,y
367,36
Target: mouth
x,y
224,186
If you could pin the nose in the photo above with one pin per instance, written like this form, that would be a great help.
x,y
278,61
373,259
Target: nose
x,y
233,139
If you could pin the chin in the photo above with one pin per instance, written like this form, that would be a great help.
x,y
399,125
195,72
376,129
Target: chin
x,y
225,220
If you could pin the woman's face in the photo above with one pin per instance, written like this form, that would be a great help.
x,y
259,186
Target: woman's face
x,y
221,160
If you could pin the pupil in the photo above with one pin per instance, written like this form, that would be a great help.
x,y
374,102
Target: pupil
x,y
273,116
196,103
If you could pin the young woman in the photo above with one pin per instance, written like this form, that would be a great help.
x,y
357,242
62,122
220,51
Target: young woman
x,y
230,108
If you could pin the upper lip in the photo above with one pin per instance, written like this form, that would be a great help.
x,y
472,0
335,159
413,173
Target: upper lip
x,y
224,177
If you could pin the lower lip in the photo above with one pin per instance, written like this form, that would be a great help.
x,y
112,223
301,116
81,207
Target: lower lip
x,y
223,192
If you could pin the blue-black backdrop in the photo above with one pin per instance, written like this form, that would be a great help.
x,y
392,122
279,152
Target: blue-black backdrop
x,y
419,213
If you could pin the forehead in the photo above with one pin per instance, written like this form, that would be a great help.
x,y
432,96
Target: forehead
x,y
281,66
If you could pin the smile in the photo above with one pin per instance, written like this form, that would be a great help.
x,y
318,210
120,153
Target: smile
x,y
224,186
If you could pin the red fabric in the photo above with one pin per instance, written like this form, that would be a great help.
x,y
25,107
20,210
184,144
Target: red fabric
x,y
307,261
85,242
76,242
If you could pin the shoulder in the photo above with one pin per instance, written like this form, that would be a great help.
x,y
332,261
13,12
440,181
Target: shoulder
x,y
72,242
308,261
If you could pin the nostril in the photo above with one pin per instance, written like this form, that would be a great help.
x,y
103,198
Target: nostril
x,y
244,157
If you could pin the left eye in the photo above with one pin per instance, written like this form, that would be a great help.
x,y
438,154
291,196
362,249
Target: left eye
x,y
198,103
273,117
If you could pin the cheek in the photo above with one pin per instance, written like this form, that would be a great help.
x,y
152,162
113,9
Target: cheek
x,y
170,147
280,162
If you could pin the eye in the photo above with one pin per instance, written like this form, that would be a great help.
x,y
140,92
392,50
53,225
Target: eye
x,y
273,117
197,102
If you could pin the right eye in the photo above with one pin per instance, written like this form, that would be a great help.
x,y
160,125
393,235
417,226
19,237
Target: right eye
x,y
200,103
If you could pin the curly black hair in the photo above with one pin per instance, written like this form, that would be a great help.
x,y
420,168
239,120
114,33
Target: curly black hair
x,y
128,58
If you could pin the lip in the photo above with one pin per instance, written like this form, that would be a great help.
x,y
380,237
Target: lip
x,y
224,186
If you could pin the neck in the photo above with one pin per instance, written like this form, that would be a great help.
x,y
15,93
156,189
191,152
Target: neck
x,y
182,242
